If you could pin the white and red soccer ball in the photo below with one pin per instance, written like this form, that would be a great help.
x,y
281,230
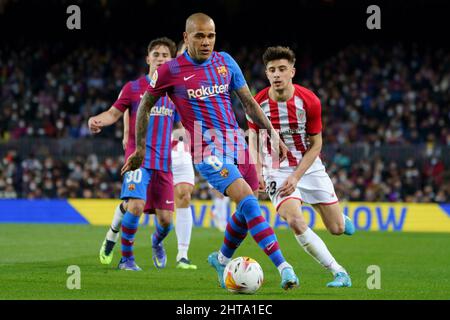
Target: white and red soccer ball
x,y
243,275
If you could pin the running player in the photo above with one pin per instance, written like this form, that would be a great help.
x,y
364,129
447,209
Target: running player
x,y
296,112
200,82
159,51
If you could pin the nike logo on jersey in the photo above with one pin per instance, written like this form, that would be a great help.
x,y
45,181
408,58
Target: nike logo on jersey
x,y
213,95
187,78
169,202
140,96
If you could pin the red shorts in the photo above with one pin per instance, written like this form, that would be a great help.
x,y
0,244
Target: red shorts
x,y
248,171
160,192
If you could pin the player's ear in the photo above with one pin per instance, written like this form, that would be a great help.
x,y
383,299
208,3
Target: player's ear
x,y
185,37
293,72
147,59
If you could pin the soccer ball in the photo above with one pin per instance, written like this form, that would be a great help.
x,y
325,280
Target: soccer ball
x,y
243,275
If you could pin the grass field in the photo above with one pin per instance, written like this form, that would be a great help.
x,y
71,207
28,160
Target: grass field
x,y
34,260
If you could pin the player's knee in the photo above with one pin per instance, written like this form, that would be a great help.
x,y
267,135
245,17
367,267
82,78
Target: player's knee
x,y
184,199
136,207
336,229
165,219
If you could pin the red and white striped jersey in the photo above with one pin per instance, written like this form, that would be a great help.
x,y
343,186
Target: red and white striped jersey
x,y
293,119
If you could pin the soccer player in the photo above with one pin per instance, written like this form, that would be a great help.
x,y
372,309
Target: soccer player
x,y
199,82
159,51
296,112
184,181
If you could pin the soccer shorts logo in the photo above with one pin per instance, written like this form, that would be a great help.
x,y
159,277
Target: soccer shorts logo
x,y
224,172
131,187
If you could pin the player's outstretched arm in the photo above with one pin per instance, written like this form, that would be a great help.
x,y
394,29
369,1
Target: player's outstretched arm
x,y
134,161
104,119
126,128
258,117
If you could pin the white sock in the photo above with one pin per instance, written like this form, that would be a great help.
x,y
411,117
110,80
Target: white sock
x,y
222,259
316,248
183,229
113,232
220,209
283,265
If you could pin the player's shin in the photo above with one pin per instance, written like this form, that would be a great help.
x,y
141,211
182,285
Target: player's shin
x,y
261,231
113,232
183,229
160,233
317,249
130,225
235,233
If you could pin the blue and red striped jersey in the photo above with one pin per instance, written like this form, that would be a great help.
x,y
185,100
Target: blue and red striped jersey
x,y
162,117
201,92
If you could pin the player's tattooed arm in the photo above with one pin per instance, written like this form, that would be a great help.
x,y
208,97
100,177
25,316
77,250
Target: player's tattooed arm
x,y
134,161
143,115
253,109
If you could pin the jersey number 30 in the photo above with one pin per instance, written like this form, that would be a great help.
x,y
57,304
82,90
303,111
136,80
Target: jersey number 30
x,y
135,176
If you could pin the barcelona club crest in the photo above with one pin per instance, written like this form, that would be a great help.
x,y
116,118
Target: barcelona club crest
x,y
222,70
131,186
224,172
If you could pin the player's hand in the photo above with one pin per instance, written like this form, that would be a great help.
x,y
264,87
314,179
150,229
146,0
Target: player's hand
x,y
125,142
133,162
283,151
95,126
262,184
288,186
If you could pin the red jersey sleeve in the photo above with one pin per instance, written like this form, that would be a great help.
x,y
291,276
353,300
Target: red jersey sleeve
x,y
313,110
123,102
259,97
161,81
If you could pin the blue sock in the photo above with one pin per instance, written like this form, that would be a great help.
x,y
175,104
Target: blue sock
x,y
130,225
235,233
160,233
260,230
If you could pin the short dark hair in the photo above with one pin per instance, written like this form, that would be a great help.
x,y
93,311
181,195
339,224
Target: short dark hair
x,y
277,53
164,41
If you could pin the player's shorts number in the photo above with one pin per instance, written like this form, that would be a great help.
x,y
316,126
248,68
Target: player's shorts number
x,y
134,176
214,162
271,188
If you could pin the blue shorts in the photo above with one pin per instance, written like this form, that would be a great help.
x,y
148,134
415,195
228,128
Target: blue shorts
x,y
155,187
135,184
220,175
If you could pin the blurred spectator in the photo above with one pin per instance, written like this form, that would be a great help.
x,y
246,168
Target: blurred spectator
x,y
371,96
91,178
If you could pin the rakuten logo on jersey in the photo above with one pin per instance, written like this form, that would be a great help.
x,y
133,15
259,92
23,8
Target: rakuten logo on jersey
x,y
207,92
161,111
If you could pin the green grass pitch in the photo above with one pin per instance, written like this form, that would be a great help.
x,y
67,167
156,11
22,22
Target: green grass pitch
x,y
34,260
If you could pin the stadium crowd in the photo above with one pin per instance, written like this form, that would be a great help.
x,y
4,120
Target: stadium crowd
x,y
371,95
